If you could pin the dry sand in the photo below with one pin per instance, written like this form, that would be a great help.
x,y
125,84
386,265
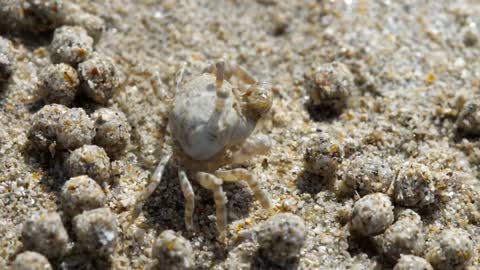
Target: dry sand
x,y
413,73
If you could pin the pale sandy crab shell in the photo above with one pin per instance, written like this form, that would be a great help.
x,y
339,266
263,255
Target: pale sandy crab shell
x,y
193,108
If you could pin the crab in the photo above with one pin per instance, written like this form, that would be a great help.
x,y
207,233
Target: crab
x,y
212,123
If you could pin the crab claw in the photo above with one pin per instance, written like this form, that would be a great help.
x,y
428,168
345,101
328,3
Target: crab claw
x,y
257,100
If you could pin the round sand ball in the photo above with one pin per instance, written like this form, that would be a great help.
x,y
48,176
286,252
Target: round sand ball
x,y
414,186
322,156
43,15
112,130
6,59
74,129
96,231
71,45
452,250
58,84
372,214
367,174
99,78
410,262
44,233
93,24
81,193
405,236
281,237
329,86
89,160
30,260
172,251
468,121
42,133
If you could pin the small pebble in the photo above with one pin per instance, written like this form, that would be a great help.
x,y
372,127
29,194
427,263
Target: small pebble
x,y
414,186
7,59
453,249
366,174
74,129
44,233
70,45
112,130
410,262
42,133
281,237
372,214
405,236
58,84
99,78
280,22
81,193
468,120
322,155
30,260
96,231
329,86
470,38
172,251
94,25
89,160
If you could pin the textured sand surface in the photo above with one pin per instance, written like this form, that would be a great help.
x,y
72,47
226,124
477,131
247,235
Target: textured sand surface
x,y
413,73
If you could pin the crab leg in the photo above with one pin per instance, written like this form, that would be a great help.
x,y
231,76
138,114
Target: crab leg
x,y
213,183
179,77
242,74
154,181
219,74
221,94
214,123
255,145
189,199
242,174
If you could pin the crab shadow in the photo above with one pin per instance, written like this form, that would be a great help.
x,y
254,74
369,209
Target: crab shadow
x,y
165,208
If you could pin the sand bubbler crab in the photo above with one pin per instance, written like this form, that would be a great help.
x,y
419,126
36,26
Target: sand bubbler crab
x,y
212,123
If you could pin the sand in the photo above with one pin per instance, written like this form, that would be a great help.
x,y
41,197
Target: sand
x,y
413,72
